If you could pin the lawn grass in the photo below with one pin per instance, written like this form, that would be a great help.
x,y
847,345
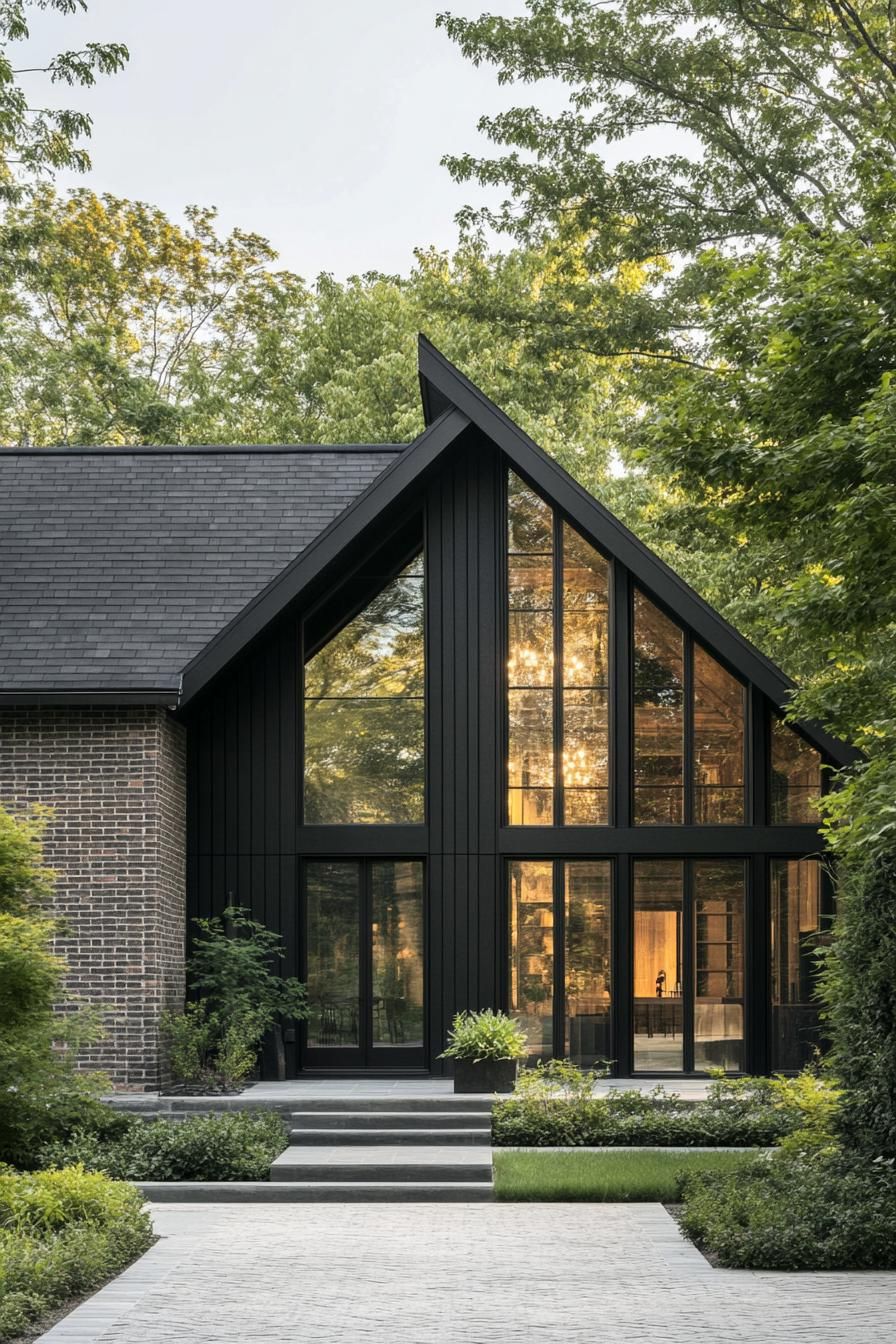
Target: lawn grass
x,y
640,1177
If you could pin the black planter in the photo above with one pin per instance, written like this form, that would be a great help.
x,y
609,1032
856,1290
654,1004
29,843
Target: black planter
x,y
484,1075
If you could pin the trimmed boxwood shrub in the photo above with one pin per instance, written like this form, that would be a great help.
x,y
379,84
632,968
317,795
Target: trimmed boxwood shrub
x,y
737,1113
62,1234
796,1211
239,1146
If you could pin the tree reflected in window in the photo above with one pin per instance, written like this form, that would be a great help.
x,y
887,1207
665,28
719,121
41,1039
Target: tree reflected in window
x,y
795,777
364,713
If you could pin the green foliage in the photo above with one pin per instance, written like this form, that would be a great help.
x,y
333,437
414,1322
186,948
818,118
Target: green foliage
x,y
860,1004
215,1041
40,1094
557,1079
639,1177
746,1112
35,140
235,1146
62,1233
786,1211
485,1035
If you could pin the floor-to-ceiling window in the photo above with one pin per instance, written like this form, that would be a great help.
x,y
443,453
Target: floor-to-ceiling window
x,y
796,931
560,954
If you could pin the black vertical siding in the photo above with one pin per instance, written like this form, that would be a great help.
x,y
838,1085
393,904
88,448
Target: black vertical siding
x,y
463,553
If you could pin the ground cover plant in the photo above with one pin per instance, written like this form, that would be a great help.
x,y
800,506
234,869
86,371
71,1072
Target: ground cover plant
x,y
232,1147
553,1105
637,1176
62,1233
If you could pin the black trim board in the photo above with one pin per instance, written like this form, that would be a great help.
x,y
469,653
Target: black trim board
x,y
391,485
105,697
444,384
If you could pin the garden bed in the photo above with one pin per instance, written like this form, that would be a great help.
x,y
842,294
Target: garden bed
x,y
62,1234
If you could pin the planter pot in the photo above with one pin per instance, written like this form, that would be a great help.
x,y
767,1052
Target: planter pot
x,y
484,1075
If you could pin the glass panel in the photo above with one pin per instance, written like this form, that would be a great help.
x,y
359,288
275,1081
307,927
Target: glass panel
x,y
397,946
333,961
355,752
588,952
795,932
659,910
364,715
585,757
532,953
530,658
796,776
719,701
719,965
659,717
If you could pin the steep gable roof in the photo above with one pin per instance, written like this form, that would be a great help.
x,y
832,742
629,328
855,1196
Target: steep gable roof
x,y
118,565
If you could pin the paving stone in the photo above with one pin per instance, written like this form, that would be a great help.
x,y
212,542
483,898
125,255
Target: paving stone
x,y
460,1274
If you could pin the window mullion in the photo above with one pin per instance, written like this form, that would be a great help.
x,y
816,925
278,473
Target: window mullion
x,y
557,615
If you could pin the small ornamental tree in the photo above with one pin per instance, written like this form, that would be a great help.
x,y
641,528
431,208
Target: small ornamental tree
x,y
41,1096
239,998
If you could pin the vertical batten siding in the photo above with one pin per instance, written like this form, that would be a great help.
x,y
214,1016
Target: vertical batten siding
x,y
464,631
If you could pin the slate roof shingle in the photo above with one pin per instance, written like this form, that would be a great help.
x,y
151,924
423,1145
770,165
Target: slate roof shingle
x,y
117,567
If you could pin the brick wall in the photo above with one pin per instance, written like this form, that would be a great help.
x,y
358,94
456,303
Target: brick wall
x,y
115,778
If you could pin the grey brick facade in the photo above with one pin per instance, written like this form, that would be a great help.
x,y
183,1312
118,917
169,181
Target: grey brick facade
x,y
115,779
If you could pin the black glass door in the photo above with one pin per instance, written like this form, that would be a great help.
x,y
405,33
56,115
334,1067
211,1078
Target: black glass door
x,y
364,964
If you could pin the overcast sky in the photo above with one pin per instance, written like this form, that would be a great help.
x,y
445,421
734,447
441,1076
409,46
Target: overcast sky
x,y
318,123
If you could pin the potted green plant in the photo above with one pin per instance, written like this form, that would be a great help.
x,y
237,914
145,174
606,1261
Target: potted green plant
x,y
486,1048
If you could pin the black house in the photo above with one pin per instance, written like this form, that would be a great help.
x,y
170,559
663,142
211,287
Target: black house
x,y
448,726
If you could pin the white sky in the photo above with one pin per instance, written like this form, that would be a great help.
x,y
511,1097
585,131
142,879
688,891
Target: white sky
x,y
319,125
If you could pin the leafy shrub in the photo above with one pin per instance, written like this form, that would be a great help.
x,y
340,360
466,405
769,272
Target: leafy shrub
x,y
545,1112
234,1147
857,977
485,1035
214,1042
791,1211
62,1233
41,1096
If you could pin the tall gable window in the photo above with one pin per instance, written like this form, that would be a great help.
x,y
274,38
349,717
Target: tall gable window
x,y
796,777
557,668
689,720
364,713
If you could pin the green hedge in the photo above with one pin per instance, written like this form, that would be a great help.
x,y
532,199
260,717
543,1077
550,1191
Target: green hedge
x,y
62,1234
743,1113
238,1146
796,1212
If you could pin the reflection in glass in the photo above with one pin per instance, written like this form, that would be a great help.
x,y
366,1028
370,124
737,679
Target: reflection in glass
x,y
532,953
587,889
719,965
795,932
658,967
585,681
364,736
333,905
796,776
530,657
659,718
397,947
719,702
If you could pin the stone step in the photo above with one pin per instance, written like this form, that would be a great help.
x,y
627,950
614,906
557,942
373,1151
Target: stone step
x,y
446,1101
308,1192
389,1163
394,1119
375,1137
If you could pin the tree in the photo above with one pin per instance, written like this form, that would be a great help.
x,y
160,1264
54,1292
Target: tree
x,y
121,326
35,141
41,1097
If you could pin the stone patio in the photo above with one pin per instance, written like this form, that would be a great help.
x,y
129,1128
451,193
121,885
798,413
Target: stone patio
x,y
459,1274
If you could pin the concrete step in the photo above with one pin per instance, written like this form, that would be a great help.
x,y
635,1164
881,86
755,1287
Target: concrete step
x,y
307,1192
376,1137
390,1163
394,1119
446,1101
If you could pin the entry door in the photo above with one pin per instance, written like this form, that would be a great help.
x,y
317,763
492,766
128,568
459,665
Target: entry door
x,y
364,964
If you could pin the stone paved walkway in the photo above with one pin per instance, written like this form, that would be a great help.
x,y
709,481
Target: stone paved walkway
x,y
460,1274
